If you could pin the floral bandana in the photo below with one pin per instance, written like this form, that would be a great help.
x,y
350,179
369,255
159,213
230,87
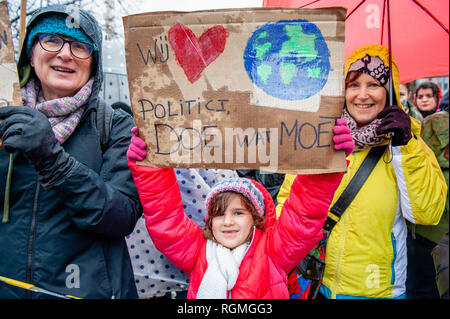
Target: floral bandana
x,y
363,136
64,113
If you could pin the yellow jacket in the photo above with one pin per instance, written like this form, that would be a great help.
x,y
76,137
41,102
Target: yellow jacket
x,y
366,251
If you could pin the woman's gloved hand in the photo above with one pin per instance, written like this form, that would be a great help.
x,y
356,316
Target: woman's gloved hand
x,y
395,120
342,137
137,149
29,131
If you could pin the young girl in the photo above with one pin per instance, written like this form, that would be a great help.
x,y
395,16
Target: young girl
x,y
243,250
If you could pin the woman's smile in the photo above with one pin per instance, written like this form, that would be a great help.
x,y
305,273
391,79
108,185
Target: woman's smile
x,y
365,97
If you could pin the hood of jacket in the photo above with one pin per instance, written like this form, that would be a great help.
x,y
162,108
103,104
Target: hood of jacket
x,y
376,50
90,27
270,212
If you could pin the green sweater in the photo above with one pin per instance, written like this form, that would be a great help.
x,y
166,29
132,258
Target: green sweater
x,y
435,134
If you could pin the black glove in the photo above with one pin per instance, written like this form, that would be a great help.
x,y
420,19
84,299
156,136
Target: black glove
x,y
29,131
395,120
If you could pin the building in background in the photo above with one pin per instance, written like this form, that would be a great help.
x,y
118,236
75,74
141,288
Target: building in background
x,y
115,84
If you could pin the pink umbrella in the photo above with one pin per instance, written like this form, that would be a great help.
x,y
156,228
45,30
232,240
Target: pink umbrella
x,y
419,39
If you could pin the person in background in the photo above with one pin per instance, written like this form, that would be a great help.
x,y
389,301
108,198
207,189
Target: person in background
x,y
366,250
427,97
408,107
421,283
440,258
443,104
71,201
123,106
271,181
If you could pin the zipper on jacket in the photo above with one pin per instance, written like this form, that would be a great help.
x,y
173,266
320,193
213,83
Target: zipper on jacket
x,y
31,237
394,247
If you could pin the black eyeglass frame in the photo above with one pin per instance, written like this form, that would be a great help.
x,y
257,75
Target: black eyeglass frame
x,y
63,43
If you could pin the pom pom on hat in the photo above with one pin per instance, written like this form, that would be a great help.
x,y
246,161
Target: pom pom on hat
x,y
242,186
56,24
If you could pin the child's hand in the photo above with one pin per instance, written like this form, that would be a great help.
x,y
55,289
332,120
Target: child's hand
x,y
342,138
136,150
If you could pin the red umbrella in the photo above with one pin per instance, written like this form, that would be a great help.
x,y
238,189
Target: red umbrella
x,y
418,30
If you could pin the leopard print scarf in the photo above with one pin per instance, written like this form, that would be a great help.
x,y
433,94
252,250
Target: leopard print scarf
x,y
365,136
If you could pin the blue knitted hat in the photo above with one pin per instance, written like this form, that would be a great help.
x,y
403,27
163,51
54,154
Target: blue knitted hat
x,y
56,23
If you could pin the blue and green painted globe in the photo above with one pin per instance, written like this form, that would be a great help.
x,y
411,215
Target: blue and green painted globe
x,y
289,60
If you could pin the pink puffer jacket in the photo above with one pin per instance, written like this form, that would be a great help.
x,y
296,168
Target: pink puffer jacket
x,y
273,252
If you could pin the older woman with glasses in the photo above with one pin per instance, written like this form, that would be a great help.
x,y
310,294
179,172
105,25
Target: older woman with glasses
x,y
71,198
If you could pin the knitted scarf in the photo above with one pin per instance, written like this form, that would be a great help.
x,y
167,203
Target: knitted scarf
x,y
223,270
64,113
365,136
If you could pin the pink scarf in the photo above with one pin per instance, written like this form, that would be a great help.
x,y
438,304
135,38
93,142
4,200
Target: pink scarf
x,y
64,113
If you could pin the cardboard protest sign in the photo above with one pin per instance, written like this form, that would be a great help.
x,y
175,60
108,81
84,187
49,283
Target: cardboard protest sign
x,y
239,88
9,83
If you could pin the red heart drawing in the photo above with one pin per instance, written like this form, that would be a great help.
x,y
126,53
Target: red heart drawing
x,y
195,54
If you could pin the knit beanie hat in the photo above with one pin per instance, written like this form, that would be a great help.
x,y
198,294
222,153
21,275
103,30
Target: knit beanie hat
x,y
56,23
242,186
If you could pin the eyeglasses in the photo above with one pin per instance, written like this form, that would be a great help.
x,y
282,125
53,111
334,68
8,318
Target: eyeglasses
x,y
54,43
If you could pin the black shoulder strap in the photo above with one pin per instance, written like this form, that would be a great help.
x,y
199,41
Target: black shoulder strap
x,y
104,116
355,185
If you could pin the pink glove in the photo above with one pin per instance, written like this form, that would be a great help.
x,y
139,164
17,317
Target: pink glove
x,y
342,138
136,150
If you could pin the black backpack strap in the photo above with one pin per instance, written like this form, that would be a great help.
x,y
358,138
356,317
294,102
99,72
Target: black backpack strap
x,y
103,121
355,185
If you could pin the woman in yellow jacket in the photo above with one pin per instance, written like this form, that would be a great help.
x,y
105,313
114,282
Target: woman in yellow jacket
x,y
366,250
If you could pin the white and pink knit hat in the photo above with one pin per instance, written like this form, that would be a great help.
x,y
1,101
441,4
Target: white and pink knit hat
x,y
242,186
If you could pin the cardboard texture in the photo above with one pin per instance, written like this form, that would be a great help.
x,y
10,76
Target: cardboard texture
x,y
9,83
256,88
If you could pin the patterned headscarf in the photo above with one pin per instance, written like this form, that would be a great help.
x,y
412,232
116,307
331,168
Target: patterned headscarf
x,y
371,60
373,66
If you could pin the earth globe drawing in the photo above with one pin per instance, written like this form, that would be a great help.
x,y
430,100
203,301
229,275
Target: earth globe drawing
x,y
289,60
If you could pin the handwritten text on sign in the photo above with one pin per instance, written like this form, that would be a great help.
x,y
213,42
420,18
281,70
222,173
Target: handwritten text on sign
x,y
247,89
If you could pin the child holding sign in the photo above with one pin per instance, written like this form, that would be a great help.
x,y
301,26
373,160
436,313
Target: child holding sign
x,y
243,250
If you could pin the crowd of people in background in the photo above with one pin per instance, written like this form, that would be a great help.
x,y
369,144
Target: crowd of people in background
x,y
82,218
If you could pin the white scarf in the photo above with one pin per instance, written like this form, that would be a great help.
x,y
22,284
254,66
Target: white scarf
x,y
222,271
